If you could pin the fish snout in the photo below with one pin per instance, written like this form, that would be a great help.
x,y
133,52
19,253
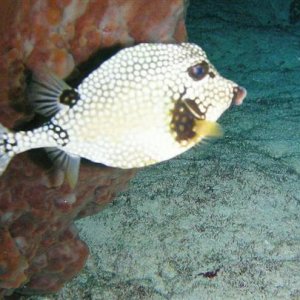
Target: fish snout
x,y
239,94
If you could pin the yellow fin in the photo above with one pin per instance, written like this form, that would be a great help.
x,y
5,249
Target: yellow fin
x,y
204,128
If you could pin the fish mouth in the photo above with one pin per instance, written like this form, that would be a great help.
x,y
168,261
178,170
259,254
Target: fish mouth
x,y
239,94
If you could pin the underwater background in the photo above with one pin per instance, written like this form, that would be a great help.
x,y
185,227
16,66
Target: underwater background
x,y
221,221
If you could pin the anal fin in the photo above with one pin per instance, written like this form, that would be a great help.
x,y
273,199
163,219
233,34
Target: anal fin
x,y
68,162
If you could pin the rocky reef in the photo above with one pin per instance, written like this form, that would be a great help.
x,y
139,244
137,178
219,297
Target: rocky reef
x,y
39,245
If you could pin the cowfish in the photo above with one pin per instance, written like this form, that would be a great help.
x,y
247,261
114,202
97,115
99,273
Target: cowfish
x,y
146,104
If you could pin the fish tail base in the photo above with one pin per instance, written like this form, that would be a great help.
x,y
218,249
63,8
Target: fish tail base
x,y
6,153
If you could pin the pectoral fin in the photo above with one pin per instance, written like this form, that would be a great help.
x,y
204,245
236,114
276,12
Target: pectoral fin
x,y
204,128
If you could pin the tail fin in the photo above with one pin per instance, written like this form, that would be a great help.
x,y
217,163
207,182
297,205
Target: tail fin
x,y
5,154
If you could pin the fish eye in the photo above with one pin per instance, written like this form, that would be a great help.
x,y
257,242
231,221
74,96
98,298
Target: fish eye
x,y
198,71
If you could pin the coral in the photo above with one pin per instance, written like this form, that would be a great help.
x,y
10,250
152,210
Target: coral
x,y
39,247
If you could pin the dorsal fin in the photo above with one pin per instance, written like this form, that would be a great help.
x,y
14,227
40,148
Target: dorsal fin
x,y
68,162
49,94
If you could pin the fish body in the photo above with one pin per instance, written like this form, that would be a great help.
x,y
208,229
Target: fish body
x,y
146,104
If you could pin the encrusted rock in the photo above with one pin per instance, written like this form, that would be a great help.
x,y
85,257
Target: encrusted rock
x,y
39,246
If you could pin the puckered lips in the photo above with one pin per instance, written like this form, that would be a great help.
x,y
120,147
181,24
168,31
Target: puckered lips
x,y
239,95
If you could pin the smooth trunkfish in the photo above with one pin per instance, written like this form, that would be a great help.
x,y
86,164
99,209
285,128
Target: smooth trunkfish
x,y
147,104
